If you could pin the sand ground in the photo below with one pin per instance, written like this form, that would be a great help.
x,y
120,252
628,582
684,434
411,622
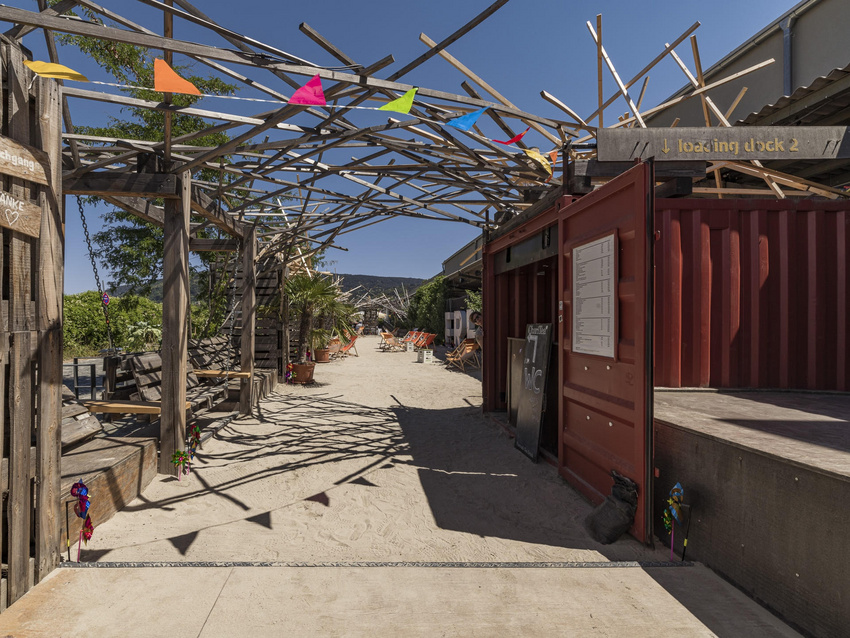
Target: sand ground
x,y
354,507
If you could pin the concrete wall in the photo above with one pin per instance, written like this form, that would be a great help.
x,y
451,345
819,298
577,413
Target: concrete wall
x,y
819,45
777,530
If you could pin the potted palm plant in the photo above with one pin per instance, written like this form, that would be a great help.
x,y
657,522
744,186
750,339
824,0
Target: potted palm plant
x,y
308,296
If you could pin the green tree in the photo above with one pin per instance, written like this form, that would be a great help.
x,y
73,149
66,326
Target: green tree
x,y
428,307
474,301
309,296
130,247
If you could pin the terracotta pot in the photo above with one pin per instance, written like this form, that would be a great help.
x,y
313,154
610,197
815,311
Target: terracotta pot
x,y
303,372
322,355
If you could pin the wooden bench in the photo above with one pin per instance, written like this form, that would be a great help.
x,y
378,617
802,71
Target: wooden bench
x,y
209,357
78,424
146,371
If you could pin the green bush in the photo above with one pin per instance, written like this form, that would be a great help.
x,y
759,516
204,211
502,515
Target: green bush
x,y
428,308
85,326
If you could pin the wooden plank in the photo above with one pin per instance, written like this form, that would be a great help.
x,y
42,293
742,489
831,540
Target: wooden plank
x,y
249,316
127,407
221,374
175,338
20,437
212,245
23,161
123,184
77,430
4,471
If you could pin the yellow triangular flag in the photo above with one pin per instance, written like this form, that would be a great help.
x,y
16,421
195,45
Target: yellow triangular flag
x,y
534,153
55,71
402,104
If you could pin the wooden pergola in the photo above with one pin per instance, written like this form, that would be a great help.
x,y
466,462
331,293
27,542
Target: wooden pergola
x,y
293,180
335,176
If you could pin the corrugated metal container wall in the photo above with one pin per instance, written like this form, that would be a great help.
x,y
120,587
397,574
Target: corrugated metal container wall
x,y
752,293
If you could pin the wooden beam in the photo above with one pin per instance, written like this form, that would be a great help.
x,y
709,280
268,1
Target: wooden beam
x,y
140,207
103,183
78,27
51,278
676,187
249,317
175,337
213,245
203,205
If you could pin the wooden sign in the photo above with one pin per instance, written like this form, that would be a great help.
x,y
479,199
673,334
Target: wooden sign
x,y
535,369
717,144
22,161
17,214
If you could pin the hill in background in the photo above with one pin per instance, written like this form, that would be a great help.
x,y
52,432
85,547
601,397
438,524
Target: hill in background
x,y
372,284
376,285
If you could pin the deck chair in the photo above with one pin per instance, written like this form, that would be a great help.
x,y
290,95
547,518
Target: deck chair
x,y
425,343
347,348
466,354
391,343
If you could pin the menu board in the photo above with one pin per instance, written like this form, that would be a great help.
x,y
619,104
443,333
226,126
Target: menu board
x,y
595,297
531,403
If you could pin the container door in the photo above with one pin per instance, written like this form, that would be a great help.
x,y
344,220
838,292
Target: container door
x,y
605,332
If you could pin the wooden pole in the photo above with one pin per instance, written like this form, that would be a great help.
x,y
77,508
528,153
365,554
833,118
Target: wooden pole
x,y
601,96
175,337
51,278
249,317
168,56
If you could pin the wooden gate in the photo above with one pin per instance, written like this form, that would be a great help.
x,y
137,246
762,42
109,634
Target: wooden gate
x,y
605,332
32,276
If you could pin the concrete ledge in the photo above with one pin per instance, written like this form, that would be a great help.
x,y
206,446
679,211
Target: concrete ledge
x,y
771,525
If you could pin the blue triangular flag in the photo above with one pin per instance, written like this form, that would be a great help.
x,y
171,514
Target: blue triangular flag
x,y
465,122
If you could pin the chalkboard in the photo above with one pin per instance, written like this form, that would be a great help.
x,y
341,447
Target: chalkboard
x,y
535,368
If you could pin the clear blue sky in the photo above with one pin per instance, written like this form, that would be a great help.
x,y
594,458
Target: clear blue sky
x,y
526,47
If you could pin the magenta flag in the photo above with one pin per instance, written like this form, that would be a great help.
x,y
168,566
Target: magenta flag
x,y
515,138
310,93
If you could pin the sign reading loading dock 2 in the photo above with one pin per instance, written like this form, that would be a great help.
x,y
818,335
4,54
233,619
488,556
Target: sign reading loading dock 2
x,y
717,144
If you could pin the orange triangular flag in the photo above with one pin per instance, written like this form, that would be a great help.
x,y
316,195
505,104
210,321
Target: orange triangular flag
x,y
166,80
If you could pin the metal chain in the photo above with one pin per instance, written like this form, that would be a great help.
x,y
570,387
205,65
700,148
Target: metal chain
x,y
96,275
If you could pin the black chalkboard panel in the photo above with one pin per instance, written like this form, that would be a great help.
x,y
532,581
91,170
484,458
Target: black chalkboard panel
x,y
535,369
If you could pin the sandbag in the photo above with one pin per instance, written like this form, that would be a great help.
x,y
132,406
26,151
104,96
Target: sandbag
x,y
615,515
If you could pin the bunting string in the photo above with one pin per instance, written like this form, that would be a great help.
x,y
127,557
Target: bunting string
x,y
167,80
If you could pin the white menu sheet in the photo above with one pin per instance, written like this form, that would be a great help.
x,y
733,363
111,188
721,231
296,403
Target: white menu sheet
x,y
594,297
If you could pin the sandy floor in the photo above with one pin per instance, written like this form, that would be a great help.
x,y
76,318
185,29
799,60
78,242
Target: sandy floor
x,y
358,505
383,459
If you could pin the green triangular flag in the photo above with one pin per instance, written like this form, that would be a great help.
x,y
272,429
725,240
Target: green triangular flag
x,y
402,104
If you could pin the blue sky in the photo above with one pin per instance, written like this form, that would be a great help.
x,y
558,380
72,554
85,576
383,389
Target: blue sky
x,y
525,47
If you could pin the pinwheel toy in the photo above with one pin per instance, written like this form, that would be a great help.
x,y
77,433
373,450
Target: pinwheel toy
x,y
81,509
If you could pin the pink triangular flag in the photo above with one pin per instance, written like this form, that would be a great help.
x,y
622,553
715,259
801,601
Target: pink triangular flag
x,y
310,93
515,138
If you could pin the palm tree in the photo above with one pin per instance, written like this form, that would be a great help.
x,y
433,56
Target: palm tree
x,y
308,296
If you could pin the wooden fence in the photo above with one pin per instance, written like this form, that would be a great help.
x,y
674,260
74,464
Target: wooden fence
x,y
32,276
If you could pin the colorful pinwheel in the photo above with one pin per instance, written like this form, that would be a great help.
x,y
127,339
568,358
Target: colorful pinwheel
x,y
81,509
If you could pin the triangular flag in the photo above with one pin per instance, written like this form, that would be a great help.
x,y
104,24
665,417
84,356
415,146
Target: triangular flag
x,y
310,93
166,80
402,104
55,71
515,138
534,154
553,155
465,122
